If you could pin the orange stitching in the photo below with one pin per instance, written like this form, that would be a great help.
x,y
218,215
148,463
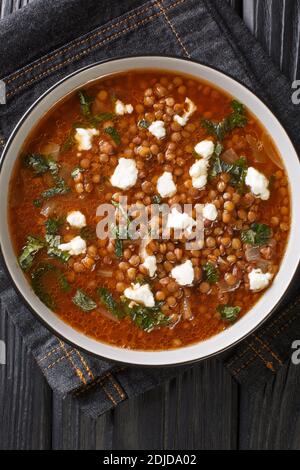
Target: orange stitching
x,y
80,54
116,386
162,9
98,380
77,42
276,320
109,395
49,354
83,41
268,364
77,370
85,365
266,345
56,362
236,371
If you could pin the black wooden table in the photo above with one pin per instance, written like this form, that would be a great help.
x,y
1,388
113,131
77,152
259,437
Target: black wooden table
x,y
203,409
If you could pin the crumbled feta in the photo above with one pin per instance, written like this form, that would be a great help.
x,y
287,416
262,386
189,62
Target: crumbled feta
x,y
258,183
165,185
205,148
125,174
184,273
76,219
150,264
121,108
179,220
157,128
84,138
198,172
259,280
141,294
210,212
191,108
76,246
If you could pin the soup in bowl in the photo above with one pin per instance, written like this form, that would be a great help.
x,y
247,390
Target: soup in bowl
x,y
150,210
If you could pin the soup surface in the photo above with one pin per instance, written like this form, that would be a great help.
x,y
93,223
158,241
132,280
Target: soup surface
x,y
158,139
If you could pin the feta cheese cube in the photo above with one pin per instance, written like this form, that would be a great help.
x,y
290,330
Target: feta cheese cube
x,y
259,280
76,246
157,128
210,212
165,185
150,264
198,172
125,174
258,183
141,294
184,273
179,220
205,148
84,138
191,108
76,219
121,108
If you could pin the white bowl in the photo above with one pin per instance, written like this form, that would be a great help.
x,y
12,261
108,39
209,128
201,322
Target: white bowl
x,y
267,302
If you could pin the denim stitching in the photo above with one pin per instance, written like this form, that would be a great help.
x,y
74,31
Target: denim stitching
x,y
174,31
85,51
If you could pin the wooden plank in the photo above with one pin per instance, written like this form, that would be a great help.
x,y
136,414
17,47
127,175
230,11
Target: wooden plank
x,y
276,24
73,430
25,397
197,410
270,418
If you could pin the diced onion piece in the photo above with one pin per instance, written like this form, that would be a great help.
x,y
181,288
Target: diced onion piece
x,y
105,273
230,156
252,254
270,151
105,313
257,148
186,308
224,287
52,149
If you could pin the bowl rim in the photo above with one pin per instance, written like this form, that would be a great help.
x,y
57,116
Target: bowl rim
x,y
14,283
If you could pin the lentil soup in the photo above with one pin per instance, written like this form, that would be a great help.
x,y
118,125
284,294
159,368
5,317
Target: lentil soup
x,y
154,137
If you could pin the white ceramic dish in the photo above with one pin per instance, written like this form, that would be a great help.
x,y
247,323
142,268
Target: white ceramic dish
x,y
268,301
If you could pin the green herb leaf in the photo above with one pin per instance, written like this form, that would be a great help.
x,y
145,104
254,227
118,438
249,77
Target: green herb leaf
x,y
37,285
53,225
102,117
156,199
83,301
60,189
147,318
228,312
85,103
37,202
113,133
258,234
144,124
40,164
211,273
32,247
69,142
52,248
76,172
237,171
109,302
237,118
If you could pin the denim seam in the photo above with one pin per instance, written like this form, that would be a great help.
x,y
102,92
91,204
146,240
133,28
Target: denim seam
x,y
273,323
172,27
87,50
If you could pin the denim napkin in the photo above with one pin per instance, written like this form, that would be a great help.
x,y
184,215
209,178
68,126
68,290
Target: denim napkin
x,y
46,41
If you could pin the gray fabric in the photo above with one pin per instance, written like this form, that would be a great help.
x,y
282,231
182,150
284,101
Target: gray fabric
x,y
58,37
